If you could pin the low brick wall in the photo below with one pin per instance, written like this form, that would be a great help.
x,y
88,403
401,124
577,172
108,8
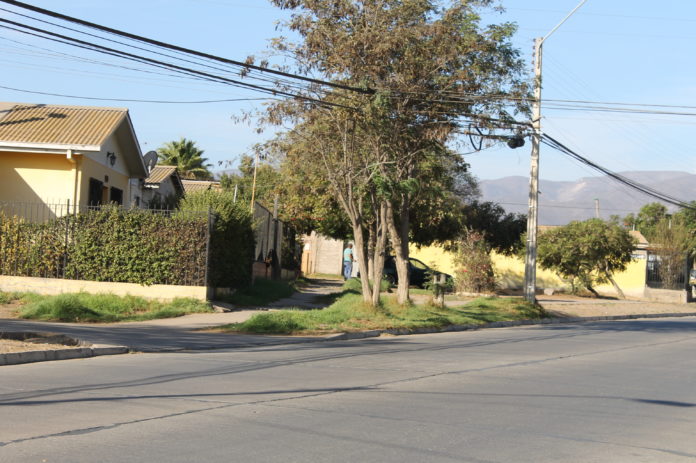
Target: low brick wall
x,y
53,286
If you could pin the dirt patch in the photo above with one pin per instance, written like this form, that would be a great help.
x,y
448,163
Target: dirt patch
x,y
10,310
568,306
10,345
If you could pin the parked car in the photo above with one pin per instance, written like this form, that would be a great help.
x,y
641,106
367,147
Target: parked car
x,y
419,274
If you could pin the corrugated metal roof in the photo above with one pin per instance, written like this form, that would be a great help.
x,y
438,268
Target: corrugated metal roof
x,y
192,186
60,125
160,173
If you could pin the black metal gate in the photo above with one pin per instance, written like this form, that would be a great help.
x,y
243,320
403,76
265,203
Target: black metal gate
x,y
667,272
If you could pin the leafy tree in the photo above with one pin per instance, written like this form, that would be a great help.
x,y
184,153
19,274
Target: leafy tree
x,y
687,216
647,219
588,252
673,241
389,144
187,157
267,181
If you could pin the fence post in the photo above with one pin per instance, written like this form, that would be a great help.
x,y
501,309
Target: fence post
x,y
67,231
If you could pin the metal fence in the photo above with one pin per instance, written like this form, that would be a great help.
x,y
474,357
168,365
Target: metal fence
x,y
104,243
667,271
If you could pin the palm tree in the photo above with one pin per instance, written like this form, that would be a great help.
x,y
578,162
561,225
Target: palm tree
x,y
187,157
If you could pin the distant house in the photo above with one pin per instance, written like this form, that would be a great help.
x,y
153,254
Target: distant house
x,y
193,186
83,155
162,188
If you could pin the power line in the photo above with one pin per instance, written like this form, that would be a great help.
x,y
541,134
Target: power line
x,y
552,142
157,63
132,100
182,49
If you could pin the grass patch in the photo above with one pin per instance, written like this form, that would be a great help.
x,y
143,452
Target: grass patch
x,y
84,307
349,313
8,298
261,293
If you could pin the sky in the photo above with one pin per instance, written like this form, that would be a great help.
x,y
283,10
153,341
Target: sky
x,y
619,51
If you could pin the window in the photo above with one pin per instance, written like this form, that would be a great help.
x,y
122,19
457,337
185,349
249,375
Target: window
x,y
95,192
116,196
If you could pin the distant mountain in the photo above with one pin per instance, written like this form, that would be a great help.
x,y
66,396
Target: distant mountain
x,y
561,202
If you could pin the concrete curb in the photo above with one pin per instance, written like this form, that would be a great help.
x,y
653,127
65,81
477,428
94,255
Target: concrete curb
x,y
82,350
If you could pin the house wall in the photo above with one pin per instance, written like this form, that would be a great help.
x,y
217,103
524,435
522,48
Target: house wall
x,y
162,192
35,178
97,166
510,272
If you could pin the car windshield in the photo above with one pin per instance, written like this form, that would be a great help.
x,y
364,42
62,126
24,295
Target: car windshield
x,y
418,264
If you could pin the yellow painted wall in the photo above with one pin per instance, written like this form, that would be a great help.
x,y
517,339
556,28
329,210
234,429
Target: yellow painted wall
x,y
89,168
510,271
36,178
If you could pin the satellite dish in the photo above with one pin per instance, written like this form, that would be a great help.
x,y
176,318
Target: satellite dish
x,y
150,160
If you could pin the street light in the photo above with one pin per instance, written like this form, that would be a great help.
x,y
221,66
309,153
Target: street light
x,y
533,216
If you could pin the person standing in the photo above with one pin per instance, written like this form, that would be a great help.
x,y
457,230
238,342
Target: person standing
x,y
348,262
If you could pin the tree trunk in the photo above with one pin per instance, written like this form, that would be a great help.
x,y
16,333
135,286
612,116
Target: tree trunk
x,y
379,253
371,246
616,286
396,224
361,252
591,289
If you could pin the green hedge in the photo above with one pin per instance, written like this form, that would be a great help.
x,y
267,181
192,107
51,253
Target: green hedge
x,y
107,244
136,246
232,242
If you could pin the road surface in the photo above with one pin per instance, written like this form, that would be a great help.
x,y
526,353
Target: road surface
x,y
593,392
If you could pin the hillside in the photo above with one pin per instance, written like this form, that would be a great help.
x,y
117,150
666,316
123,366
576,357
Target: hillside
x,y
561,202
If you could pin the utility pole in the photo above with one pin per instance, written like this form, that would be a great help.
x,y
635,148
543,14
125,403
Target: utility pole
x,y
236,186
532,217
596,208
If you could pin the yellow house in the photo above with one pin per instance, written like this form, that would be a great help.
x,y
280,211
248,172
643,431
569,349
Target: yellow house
x,y
78,155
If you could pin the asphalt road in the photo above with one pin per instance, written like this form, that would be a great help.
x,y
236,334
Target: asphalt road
x,y
595,392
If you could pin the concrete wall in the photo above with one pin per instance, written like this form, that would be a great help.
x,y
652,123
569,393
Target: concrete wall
x,y
322,255
53,286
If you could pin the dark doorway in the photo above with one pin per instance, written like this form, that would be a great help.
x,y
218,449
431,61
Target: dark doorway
x,y
117,196
95,192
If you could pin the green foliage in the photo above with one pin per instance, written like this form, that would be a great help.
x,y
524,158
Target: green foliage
x,y
187,157
232,241
7,298
261,293
673,241
107,244
267,181
136,246
349,313
647,219
588,252
474,267
84,307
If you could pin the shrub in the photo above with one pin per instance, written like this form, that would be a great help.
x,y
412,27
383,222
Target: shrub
x,y
474,271
232,241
